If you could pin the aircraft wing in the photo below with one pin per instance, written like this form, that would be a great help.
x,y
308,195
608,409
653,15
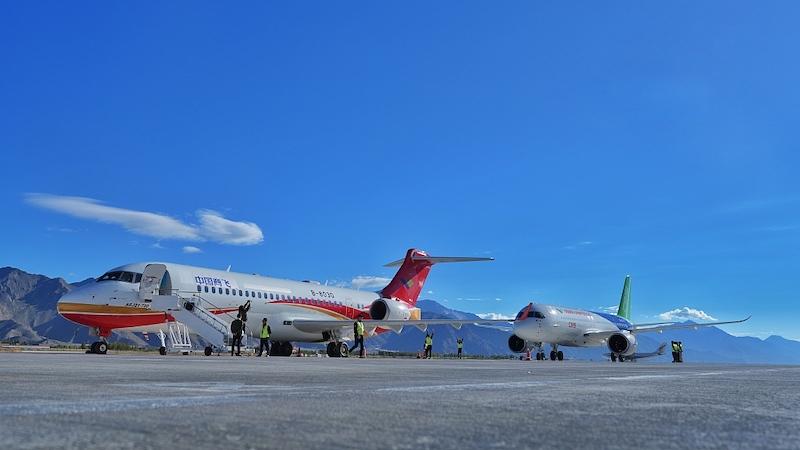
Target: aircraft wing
x,y
659,327
315,326
658,352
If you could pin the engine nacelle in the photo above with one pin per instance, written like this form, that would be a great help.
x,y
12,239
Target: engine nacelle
x,y
516,344
622,344
389,309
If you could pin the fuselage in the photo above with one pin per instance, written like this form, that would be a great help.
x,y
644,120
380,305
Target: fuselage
x,y
540,323
113,301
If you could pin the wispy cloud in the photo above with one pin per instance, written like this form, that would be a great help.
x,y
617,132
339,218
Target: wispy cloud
x,y
495,316
685,313
578,245
191,249
609,309
157,245
469,299
212,227
368,281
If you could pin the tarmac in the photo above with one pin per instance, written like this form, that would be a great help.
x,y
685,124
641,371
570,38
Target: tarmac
x,y
145,401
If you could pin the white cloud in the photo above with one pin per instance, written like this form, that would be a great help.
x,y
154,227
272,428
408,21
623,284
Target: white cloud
x,y
367,281
191,249
609,309
157,245
578,245
685,313
494,316
217,228
213,226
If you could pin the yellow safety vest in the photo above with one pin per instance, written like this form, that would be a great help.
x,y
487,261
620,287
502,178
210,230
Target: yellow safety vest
x,y
265,331
460,345
360,328
428,340
675,347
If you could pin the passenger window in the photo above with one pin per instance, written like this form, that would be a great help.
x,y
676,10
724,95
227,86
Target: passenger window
x,y
259,295
206,289
270,295
199,288
253,294
247,293
240,292
213,290
227,291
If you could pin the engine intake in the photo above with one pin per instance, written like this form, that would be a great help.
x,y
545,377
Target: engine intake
x,y
622,344
389,309
516,344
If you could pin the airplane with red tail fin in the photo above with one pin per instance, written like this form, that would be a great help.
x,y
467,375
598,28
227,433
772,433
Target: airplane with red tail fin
x,y
152,296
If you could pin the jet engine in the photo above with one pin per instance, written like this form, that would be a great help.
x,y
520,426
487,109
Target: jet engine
x,y
622,344
389,309
516,344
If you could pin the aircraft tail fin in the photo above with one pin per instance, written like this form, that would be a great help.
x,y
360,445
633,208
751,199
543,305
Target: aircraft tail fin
x,y
414,268
624,309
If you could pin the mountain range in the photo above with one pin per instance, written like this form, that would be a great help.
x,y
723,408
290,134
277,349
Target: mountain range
x,y
28,315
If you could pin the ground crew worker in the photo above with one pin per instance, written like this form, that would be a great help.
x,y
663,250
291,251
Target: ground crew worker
x,y
675,351
429,345
680,351
265,332
236,330
460,345
358,333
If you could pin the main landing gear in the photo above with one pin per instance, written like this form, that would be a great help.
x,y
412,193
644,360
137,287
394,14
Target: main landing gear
x,y
338,349
555,354
281,349
98,348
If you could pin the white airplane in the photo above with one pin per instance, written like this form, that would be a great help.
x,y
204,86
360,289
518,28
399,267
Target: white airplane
x,y
150,296
538,324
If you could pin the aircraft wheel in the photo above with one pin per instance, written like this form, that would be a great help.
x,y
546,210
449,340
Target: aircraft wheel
x,y
207,351
344,350
553,355
93,347
621,358
162,351
330,349
102,348
560,355
538,356
613,358
287,348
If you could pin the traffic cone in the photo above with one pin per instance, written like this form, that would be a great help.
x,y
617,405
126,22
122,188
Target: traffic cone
x,y
528,355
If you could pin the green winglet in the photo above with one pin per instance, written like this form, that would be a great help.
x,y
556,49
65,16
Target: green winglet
x,y
624,310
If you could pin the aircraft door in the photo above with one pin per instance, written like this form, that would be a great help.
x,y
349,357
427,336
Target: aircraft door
x,y
152,281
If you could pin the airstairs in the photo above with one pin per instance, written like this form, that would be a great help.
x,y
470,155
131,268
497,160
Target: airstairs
x,y
192,312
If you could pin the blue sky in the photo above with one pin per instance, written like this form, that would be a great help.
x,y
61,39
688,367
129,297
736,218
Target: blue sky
x,y
575,144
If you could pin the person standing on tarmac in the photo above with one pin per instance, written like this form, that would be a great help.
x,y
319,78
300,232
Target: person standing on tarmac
x,y
428,346
675,351
265,331
236,330
680,351
460,345
358,333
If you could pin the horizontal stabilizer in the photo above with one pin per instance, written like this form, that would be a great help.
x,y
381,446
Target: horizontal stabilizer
x,y
438,259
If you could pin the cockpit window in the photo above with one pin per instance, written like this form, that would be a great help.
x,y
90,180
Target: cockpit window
x,y
119,275
536,315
